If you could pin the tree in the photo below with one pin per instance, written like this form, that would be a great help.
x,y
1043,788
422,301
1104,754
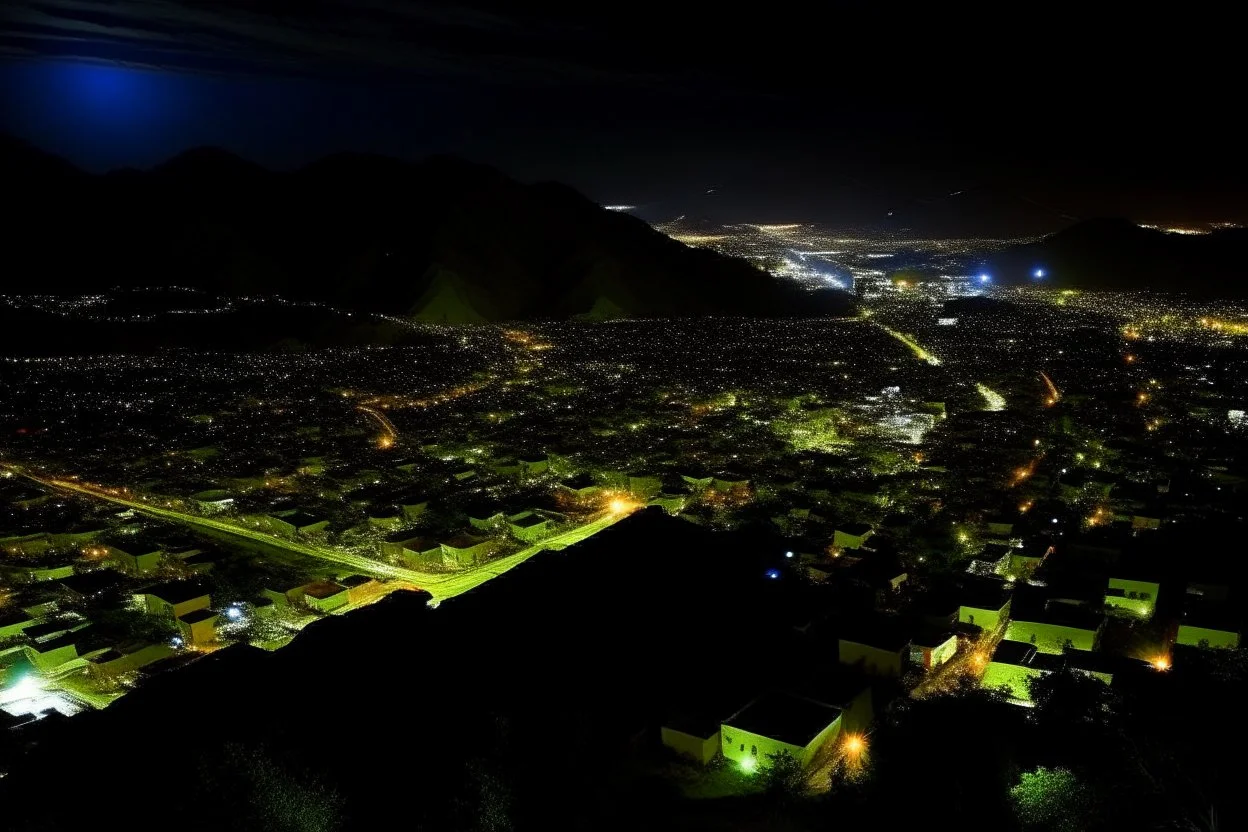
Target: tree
x,y
783,777
1051,799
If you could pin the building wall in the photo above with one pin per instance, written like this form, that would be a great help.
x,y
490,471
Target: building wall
x,y
842,540
199,632
1013,677
859,712
986,619
703,750
1215,638
873,659
532,534
1142,605
1050,638
329,604
759,747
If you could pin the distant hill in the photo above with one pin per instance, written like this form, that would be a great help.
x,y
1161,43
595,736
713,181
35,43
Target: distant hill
x,y
1117,254
444,240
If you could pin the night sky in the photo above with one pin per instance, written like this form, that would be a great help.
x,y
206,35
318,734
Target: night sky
x,y
1011,124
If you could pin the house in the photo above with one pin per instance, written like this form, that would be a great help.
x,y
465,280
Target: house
x,y
697,481
1012,667
175,599
415,552
295,521
984,603
851,535
530,526
1025,561
581,488
144,560
387,520
1058,626
213,500
284,598
778,723
877,645
326,596
51,653
1135,598
644,486
89,586
999,526
932,648
198,626
466,550
35,543
1209,623
533,466
485,519
14,623
412,507
360,587
126,658
730,481
697,739
994,559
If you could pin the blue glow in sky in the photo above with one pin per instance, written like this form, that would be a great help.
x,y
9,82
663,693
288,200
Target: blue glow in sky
x,y
103,116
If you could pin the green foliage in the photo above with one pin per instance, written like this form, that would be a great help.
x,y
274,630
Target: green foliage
x,y
783,777
132,625
812,430
1051,799
268,795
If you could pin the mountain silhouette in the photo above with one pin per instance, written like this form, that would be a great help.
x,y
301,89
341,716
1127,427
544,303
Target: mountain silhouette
x,y
444,240
1120,255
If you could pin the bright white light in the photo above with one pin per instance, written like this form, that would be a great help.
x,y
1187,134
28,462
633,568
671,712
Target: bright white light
x,y
983,278
1054,519
233,613
1038,273
788,554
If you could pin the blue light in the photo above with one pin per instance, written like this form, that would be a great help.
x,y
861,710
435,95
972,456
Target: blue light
x,y
983,278
773,573
1038,274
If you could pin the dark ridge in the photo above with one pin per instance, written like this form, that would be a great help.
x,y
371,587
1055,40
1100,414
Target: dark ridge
x,y
1115,254
444,239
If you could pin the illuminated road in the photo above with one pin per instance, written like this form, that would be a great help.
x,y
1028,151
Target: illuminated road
x,y
915,347
440,585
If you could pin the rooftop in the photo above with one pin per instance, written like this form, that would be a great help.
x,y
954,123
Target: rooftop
x,y
784,717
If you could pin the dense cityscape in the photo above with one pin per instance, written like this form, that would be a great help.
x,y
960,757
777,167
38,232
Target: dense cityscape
x,y
962,485
490,417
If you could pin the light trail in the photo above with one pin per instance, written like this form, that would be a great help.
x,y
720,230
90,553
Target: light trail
x,y
389,434
915,347
992,399
1055,395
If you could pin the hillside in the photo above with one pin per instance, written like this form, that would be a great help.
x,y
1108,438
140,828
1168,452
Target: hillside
x,y
445,240
1117,254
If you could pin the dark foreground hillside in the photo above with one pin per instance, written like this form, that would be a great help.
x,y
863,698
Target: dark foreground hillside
x,y
444,239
